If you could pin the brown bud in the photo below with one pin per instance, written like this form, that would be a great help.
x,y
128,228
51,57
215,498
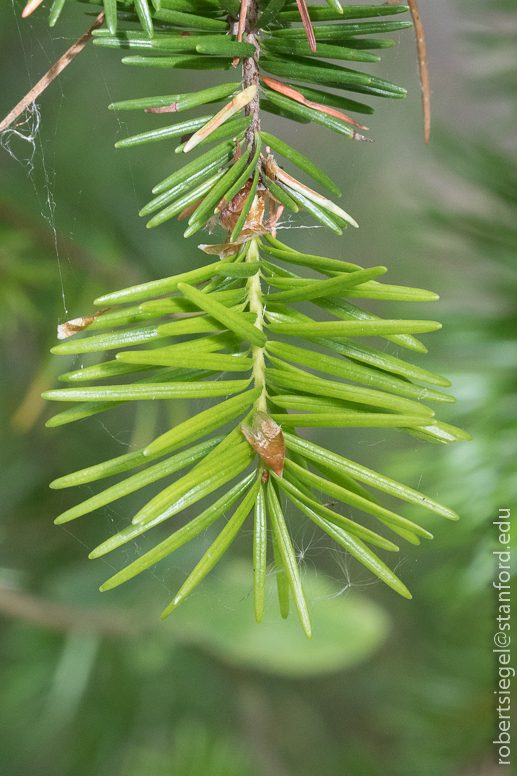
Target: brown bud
x,y
266,438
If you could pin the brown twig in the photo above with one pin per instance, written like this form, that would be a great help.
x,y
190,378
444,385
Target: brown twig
x,y
242,18
422,67
54,71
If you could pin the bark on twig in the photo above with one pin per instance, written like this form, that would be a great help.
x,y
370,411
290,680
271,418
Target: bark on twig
x,y
250,75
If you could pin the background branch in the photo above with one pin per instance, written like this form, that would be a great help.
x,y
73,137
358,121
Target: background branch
x,y
49,76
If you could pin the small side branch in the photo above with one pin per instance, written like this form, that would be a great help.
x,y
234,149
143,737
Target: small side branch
x,y
422,63
242,18
54,71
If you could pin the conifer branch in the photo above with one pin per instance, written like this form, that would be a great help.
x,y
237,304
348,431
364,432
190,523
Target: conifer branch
x,y
272,369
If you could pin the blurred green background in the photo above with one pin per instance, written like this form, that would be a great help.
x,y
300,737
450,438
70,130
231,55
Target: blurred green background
x,y
94,685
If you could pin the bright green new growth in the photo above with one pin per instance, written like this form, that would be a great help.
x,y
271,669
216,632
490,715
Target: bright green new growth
x,y
231,329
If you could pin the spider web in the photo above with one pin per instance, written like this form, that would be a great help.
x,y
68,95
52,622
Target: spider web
x,y
26,134
24,141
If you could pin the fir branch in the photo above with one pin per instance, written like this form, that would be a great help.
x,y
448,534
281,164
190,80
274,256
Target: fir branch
x,y
233,309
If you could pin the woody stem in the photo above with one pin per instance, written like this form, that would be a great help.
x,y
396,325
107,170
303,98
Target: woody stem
x,y
250,74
